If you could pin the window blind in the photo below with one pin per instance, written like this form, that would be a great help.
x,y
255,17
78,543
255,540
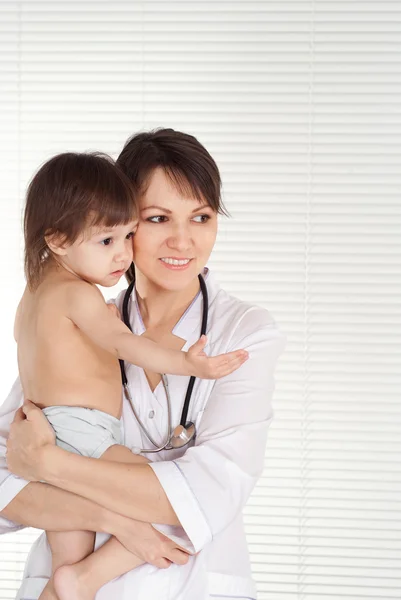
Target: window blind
x,y
299,102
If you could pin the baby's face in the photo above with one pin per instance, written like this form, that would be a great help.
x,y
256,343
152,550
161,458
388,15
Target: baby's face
x,y
101,255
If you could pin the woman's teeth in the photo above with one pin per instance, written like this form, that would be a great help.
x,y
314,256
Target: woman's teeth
x,y
173,261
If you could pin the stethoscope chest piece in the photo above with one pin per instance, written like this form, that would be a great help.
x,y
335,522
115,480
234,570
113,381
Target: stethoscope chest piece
x,y
182,435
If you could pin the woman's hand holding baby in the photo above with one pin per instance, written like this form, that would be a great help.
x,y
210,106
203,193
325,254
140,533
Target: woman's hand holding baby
x,y
30,435
150,545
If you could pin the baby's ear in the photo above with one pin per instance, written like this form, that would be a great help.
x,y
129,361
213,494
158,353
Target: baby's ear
x,y
57,243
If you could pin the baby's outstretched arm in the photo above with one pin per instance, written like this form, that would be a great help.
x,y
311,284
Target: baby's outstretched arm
x,y
88,311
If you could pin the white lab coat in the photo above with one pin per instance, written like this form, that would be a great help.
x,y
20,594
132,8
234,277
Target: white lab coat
x,y
207,484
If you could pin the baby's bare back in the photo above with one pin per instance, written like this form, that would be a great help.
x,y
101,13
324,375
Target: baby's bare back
x,y
58,363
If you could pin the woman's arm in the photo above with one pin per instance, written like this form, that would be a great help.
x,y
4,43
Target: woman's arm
x,y
46,507
209,486
10,485
37,504
206,488
135,491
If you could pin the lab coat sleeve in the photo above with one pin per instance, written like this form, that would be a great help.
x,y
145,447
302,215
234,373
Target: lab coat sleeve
x,y
210,484
10,485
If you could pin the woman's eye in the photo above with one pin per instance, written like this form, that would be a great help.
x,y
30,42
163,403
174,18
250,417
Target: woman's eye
x,y
157,219
106,242
201,218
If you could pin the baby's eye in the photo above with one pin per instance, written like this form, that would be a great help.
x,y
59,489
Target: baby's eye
x,y
130,235
157,219
201,218
106,242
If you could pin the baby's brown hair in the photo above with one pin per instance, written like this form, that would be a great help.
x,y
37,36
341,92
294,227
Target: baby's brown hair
x,y
70,192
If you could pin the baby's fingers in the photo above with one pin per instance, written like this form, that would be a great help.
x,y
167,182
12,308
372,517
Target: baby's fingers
x,y
235,354
198,347
230,362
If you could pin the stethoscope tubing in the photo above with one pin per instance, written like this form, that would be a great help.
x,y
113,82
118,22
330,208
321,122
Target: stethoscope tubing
x,y
192,379
191,383
142,426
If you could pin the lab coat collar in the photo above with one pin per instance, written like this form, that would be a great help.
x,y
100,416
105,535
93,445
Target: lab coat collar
x,y
190,320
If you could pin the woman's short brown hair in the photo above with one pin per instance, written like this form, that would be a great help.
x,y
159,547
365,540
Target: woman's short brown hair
x,y
69,193
184,160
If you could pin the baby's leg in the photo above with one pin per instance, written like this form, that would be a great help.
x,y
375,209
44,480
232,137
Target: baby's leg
x,y
122,454
67,548
82,580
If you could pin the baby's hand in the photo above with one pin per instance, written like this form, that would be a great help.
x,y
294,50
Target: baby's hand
x,y
213,367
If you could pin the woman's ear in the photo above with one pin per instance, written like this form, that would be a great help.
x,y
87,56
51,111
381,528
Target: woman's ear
x,y
56,242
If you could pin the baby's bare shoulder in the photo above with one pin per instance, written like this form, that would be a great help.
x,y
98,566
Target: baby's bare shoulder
x,y
58,298
73,292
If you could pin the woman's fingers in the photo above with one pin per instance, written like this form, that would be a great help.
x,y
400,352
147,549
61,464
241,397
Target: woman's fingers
x,y
29,408
162,563
175,556
19,416
178,557
29,434
22,413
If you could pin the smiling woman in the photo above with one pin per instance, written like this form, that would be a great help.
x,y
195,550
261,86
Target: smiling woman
x,y
175,234
178,185
195,493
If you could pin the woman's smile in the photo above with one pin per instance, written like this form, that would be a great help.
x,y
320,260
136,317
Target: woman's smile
x,y
176,264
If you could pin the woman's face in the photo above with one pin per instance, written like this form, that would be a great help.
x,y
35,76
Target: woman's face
x,y
175,235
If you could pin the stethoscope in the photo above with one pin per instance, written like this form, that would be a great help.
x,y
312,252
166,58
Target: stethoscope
x,y
181,435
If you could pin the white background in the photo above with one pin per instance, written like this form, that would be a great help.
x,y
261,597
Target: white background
x,y
299,103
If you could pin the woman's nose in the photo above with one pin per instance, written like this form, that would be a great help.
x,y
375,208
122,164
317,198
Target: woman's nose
x,y
180,239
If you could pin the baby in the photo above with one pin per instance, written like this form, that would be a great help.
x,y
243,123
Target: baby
x,y
79,222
